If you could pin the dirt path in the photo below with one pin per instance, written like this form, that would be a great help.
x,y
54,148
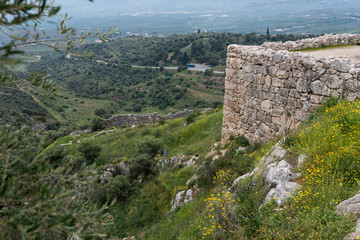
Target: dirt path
x,y
352,52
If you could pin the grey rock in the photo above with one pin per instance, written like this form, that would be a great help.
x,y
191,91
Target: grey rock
x,y
301,160
281,193
188,197
178,200
238,180
350,206
276,154
340,66
277,173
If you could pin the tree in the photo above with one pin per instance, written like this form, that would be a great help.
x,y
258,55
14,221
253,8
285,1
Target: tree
x,y
20,21
38,199
90,151
141,166
267,31
185,60
97,124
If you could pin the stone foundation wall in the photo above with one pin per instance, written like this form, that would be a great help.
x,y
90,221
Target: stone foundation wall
x,y
136,119
268,92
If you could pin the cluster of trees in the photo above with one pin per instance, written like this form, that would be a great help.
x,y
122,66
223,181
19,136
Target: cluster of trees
x,y
207,48
132,88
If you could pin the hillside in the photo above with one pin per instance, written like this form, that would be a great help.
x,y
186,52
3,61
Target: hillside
x,y
109,80
18,108
321,158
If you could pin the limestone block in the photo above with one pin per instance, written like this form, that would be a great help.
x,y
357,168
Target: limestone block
x,y
282,74
248,68
317,87
282,192
340,66
334,82
302,86
277,57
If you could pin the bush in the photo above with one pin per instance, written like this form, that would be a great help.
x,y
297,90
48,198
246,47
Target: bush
x,y
90,151
75,162
98,124
55,154
209,72
191,118
100,112
141,165
181,68
162,121
119,187
150,146
242,141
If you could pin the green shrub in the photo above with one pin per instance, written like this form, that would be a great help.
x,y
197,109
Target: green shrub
x,y
209,72
242,141
75,162
90,151
97,124
141,166
118,187
55,154
150,145
162,121
100,112
191,118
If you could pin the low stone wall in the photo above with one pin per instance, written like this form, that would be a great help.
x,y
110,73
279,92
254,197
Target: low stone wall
x,y
136,119
326,40
267,92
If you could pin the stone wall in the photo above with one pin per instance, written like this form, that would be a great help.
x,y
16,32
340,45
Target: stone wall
x,y
268,92
136,119
326,40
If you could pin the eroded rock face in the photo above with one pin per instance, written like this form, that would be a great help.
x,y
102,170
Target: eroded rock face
x,y
110,170
178,200
277,173
184,197
277,154
282,192
350,206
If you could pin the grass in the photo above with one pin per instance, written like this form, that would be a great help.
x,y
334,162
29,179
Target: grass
x,y
196,138
330,140
324,47
330,175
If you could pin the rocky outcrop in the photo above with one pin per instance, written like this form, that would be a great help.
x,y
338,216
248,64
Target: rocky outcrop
x,y
269,90
282,192
111,170
277,173
184,197
276,154
136,119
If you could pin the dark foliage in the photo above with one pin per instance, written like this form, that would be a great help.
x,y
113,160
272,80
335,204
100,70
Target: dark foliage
x,y
89,151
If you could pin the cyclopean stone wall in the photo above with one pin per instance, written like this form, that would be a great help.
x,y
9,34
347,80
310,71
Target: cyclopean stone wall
x,y
326,40
267,92
136,119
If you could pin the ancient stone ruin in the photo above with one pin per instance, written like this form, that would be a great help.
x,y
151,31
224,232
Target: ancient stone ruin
x,y
136,119
270,89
